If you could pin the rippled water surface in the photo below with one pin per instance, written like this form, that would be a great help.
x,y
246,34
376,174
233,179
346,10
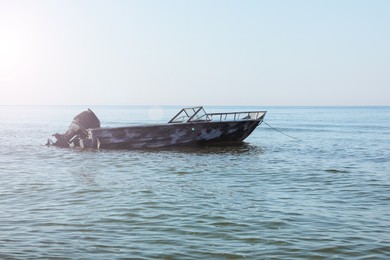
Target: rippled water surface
x,y
324,197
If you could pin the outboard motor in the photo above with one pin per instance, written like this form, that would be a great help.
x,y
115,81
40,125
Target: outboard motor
x,y
77,129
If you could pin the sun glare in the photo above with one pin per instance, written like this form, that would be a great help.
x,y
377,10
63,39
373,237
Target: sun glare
x,y
17,58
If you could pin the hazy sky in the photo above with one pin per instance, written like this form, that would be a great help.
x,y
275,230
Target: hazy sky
x,y
195,52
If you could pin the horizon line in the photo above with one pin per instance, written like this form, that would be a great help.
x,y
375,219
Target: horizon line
x,y
207,105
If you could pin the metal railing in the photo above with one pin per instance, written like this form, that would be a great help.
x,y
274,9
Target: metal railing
x,y
235,116
197,114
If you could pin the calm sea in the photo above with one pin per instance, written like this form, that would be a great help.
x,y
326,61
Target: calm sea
x,y
324,197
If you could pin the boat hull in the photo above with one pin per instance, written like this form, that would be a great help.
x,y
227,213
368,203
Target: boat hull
x,y
181,134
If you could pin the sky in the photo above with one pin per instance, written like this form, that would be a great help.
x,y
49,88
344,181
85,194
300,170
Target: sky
x,y
199,52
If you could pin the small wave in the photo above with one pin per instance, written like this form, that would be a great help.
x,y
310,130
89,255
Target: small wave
x,y
336,171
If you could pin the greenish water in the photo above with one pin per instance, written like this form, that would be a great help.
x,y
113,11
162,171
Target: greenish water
x,y
325,197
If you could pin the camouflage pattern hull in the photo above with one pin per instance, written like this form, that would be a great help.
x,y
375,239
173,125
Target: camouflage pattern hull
x,y
154,136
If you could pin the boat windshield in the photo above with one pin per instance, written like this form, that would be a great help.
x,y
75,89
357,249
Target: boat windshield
x,y
191,114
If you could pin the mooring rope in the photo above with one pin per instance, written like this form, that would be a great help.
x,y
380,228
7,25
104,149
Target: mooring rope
x,y
282,132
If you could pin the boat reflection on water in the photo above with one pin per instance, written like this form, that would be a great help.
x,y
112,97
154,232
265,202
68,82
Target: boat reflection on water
x,y
212,149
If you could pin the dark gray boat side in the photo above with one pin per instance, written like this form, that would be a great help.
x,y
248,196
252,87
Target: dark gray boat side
x,y
191,126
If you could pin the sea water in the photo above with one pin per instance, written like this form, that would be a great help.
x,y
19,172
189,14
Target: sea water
x,y
324,196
